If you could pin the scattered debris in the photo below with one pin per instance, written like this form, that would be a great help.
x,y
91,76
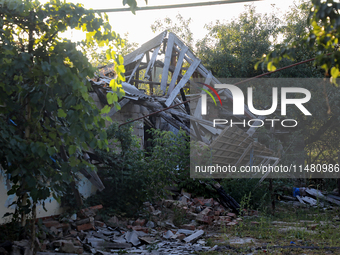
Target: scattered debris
x,y
310,197
84,234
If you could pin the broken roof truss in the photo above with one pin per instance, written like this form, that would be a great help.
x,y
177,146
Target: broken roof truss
x,y
160,63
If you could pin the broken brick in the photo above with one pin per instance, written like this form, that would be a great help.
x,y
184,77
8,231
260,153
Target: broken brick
x,y
208,202
140,222
205,219
140,228
225,218
90,211
188,227
86,226
233,215
198,201
205,211
51,223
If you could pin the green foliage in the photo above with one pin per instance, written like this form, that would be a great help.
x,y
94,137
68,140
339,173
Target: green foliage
x,y
132,4
232,49
319,35
132,176
47,118
240,189
180,27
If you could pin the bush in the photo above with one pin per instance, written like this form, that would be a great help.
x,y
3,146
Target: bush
x,y
132,176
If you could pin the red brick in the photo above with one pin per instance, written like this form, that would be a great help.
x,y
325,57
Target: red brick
x,y
86,226
198,201
233,215
140,222
205,211
205,219
90,211
188,226
51,223
225,218
208,202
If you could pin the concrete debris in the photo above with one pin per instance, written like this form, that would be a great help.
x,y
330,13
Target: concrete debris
x,y
168,234
157,231
132,237
192,238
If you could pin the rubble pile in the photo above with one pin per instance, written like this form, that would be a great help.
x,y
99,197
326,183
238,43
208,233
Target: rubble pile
x,y
154,231
303,197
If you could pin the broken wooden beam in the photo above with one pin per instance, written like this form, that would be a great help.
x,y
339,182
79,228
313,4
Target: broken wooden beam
x,y
167,60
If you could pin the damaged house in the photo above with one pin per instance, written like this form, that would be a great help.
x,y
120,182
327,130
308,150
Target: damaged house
x,y
156,96
158,75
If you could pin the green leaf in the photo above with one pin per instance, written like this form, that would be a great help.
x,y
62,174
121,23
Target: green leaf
x,y
105,110
61,113
335,72
72,149
271,67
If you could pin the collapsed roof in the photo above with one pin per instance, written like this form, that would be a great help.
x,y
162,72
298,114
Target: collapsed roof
x,y
150,66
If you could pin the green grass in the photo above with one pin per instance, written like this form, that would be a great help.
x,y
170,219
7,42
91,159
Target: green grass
x,y
325,234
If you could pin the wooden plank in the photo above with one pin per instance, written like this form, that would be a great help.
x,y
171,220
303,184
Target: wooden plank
x,y
309,200
167,60
153,43
300,200
177,69
204,72
266,157
318,194
136,67
333,196
244,154
228,139
151,63
182,83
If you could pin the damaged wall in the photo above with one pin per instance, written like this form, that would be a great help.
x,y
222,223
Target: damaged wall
x,y
129,111
53,207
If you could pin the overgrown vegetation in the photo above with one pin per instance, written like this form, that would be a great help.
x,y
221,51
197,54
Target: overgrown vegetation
x,y
132,175
304,227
